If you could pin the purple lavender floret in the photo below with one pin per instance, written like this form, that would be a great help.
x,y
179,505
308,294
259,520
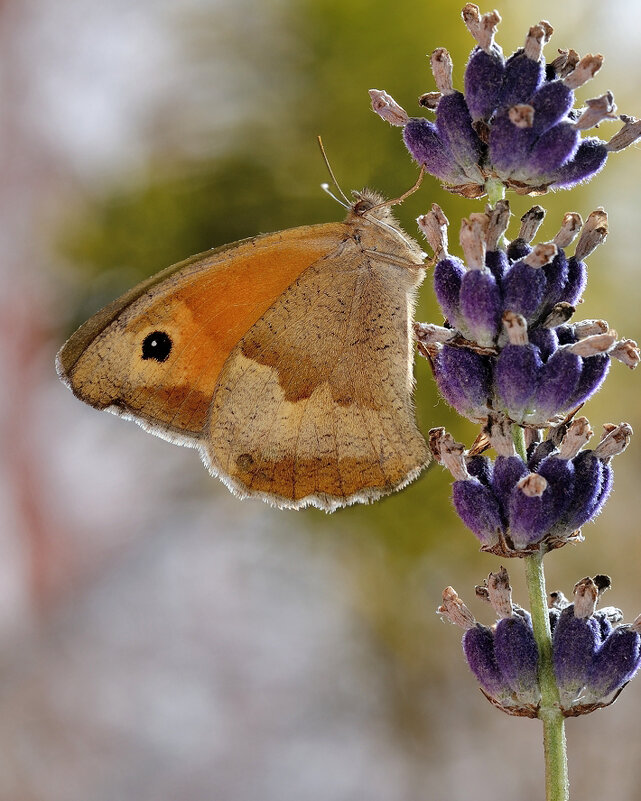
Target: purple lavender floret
x,y
518,249
605,625
478,646
531,512
515,122
524,288
557,383
546,340
480,467
426,144
476,505
549,153
593,481
556,277
560,476
481,306
463,378
516,376
551,103
594,370
588,160
517,656
575,642
577,279
615,663
508,471
454,126
523,75
484,76
497,262
509,145
448,277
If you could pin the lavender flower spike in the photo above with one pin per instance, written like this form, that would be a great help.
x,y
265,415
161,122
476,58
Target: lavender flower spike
x,y
593,656
515,121
538,365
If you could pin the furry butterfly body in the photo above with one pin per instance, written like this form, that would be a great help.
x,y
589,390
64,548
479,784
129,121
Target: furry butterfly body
x,y
285,359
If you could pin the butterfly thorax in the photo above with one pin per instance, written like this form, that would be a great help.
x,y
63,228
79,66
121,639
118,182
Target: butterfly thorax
x,y
377,230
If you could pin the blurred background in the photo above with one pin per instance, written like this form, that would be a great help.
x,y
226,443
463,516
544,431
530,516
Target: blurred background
x,y
160,639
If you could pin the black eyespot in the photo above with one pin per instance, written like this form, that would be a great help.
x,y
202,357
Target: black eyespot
x,y
156,345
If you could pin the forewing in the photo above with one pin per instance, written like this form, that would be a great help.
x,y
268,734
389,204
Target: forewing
x,y
197,312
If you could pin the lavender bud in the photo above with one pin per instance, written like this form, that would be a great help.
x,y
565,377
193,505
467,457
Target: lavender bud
x,y
588,160
518,249
551,103
545,340
515,376
531,515
557,384
497,262
523,74
448,276
509,143
524,288
454,126
478,508
480,467
593,373
590,490
463,378
486,67
576,281
517,656
559,474
615,663
508,471
575,642
483,79
549,152
427,147
478,646
481,306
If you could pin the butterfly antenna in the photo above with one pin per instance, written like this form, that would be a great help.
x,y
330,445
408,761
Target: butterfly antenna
x,y
405,195
333,177
325,188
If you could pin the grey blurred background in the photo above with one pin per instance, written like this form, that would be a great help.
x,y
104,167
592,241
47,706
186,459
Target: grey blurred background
x,y
160,639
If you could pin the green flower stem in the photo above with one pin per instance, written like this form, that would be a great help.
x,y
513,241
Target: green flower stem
x,y
554,746
557,787
518,437
495,190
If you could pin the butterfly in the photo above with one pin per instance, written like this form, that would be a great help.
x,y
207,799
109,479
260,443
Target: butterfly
x,y
286,359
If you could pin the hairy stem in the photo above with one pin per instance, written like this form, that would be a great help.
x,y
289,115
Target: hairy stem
x,y
554,745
